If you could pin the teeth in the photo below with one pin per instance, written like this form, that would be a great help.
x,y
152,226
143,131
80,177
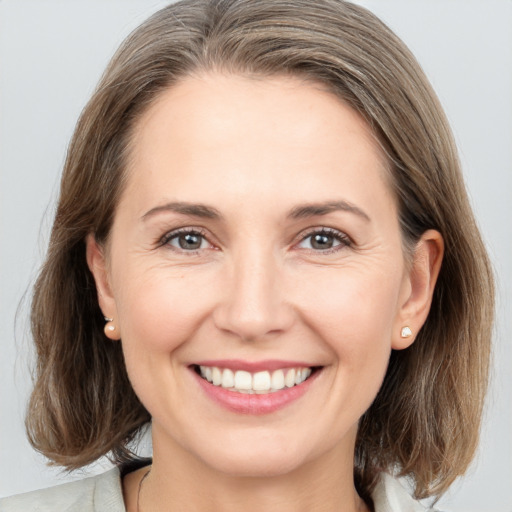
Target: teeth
x,y
257,383
243,381
277,380
216,376
228,378
302,374
261,381
289,380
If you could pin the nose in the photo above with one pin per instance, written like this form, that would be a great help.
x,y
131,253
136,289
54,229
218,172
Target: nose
x,y
253,304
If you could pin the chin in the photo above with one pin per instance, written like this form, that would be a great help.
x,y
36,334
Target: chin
x,y
255,459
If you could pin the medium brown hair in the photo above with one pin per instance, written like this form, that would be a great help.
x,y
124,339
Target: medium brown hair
x,y
425,419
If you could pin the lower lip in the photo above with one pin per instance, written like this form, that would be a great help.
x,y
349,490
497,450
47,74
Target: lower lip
x,y
245,403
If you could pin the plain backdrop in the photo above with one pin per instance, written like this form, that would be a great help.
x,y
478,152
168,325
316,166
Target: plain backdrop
x,y
51,55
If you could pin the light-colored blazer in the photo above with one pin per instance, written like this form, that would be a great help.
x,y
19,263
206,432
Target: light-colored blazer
x,y
103,493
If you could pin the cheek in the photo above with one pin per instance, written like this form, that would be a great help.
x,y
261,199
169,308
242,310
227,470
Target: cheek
x,y
161,307
356,301
353,311
350,311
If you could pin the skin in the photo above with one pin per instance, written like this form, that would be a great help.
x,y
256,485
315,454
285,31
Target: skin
x,y
255,149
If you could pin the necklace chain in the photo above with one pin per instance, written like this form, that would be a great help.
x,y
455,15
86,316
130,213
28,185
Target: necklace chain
x,y
140,487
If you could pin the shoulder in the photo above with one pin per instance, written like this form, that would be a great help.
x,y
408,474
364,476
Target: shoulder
x,y
99,493
390,496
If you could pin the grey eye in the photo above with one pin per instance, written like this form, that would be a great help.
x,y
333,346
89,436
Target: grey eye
x,y
188,241
322,241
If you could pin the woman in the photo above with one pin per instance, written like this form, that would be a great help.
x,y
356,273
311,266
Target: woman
x,y
263,211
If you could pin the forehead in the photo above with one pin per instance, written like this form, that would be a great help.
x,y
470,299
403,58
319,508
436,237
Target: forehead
x,y
252,129
218,101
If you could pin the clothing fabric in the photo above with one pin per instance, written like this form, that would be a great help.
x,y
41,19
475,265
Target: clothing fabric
x,y
103,493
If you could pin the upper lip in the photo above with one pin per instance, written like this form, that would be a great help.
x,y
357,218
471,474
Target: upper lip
x,y
254,366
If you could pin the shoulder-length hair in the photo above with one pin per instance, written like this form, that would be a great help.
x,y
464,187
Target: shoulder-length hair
x,y
424,422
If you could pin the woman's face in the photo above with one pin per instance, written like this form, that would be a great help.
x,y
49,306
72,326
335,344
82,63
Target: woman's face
x,y
257,236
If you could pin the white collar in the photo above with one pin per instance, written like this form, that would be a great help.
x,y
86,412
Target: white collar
x,y
390,496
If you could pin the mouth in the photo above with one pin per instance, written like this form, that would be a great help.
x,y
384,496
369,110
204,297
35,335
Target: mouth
x,y
255,383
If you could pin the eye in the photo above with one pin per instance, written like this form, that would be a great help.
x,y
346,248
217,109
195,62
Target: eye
x,y
186,240
324,240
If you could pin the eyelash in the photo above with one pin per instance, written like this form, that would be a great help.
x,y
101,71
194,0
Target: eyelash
x,y
342,238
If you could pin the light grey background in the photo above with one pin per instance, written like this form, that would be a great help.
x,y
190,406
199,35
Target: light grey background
x,y
51,55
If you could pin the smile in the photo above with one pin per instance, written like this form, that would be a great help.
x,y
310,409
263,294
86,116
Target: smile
x,y
254,388
262,382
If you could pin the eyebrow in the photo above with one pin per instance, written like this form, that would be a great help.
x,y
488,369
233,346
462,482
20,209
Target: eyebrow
x,y
191,209
314,209
299,212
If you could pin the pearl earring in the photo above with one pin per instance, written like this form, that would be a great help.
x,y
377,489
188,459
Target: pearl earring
x,y
109,326
406,332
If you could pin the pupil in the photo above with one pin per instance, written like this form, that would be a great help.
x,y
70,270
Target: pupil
x,y
322,242
190,241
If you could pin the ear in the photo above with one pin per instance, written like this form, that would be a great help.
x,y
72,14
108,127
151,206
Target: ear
x,y
96,261
418,288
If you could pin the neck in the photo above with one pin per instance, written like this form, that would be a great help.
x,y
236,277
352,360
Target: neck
x,y
179,481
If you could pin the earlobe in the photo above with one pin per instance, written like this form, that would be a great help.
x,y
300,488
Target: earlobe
x,y
96,261
421,280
